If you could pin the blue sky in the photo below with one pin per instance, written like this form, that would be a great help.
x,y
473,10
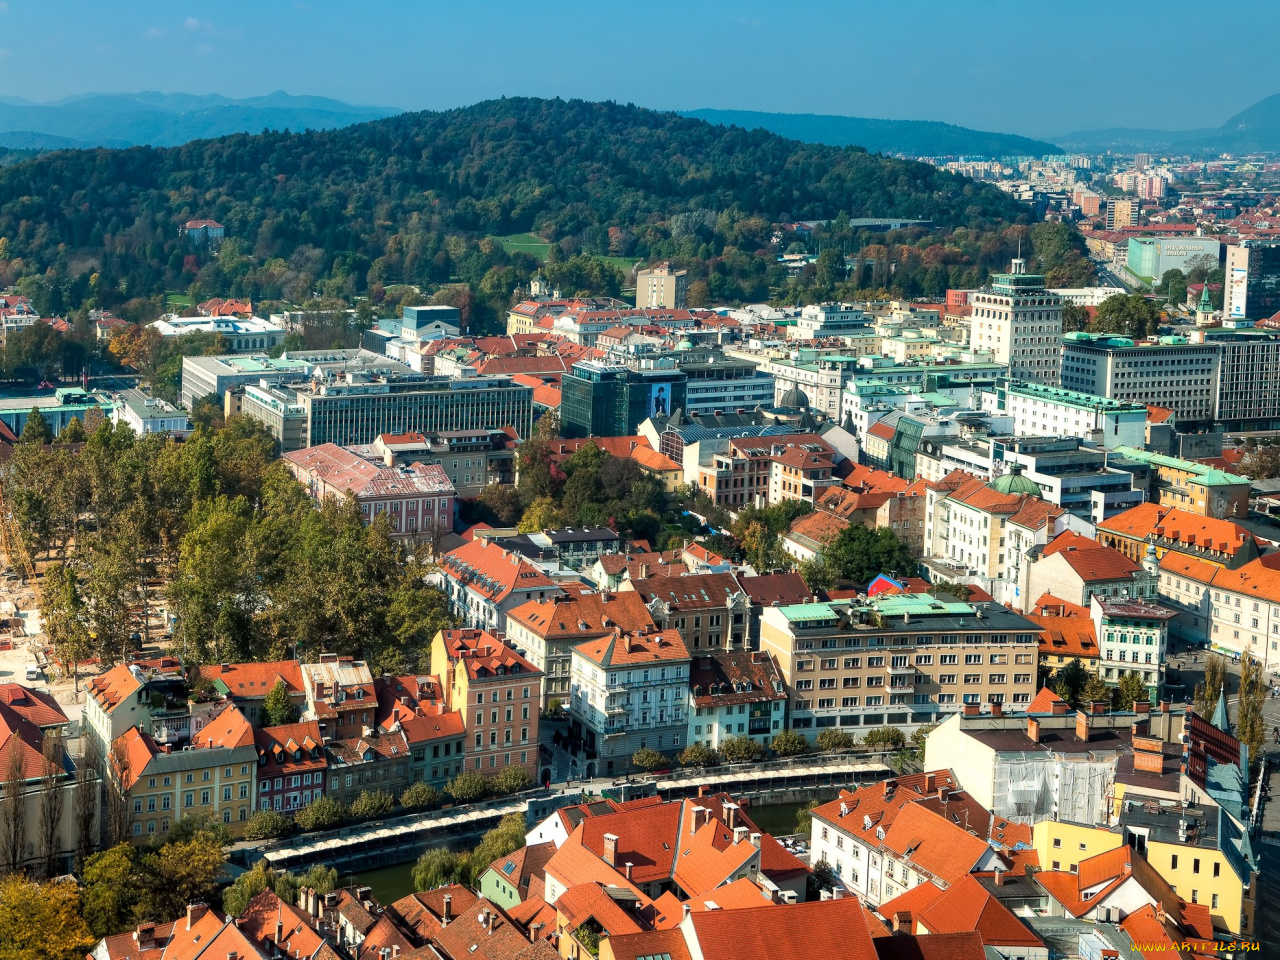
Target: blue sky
x,y
1024,67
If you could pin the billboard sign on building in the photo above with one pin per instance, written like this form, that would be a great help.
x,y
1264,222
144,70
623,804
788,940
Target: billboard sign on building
x,y
659,400
1239,288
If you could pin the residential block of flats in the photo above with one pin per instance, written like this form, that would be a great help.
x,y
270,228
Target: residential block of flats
x,y
497,694
905,660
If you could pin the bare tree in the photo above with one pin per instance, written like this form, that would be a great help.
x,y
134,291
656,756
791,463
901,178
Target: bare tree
x,y
51,800
118,794
13,818
87,801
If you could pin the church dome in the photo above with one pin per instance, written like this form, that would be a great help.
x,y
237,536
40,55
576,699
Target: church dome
x,y
1015,484
684,345
795,397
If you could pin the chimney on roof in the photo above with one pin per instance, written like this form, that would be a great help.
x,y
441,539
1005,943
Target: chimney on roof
x,y
755,839
644,571
739,834
1098,706
943,793
611,849
997,710
1033,730
730,814
194,912
279,931
1059,708
999,877
902,921
972,709
1082,726
447,912
889,786
1164,706
1142,706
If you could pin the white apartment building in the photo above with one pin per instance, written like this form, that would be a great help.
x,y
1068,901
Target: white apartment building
x,y
1039,410
630,692
831,320
146,414
1020,323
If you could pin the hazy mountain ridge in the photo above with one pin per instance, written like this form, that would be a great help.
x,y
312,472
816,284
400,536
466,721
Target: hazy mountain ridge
x,y
915,138
1256,129
167,119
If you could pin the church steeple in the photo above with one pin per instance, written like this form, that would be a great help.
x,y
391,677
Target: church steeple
x,y
1204,310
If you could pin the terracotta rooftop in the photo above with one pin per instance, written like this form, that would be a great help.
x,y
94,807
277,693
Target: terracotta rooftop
x,y
1168,523
802,931
492,571
726,677
581,614
634,649
484,656
964,906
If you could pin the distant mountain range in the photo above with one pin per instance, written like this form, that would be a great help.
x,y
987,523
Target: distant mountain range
x,y
165,119
1253,130
912,138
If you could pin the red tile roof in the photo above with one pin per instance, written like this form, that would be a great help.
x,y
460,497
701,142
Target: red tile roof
x,y
820,527
253,680
965,906
1067,636
936,946
484,656
1095,564
649,944
1043,701
34,705
1191,529
492,571
583,615
634,649
803,931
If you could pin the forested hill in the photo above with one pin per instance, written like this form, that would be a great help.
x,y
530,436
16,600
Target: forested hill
x,y
549,166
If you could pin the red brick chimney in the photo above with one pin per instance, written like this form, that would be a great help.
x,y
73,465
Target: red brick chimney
x,y
194,912
1033,729
611,849
972,709
997,710
1059,708
902,921
1098,706
1082,726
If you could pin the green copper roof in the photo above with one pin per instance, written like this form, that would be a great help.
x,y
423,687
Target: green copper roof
x,y
919,605
808,611
1206,475
1015,484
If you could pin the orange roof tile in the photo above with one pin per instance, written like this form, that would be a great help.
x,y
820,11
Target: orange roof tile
x,y
1169,523
265,911
870,480
820,928
940,847
968,906
1255,579
492,571
646,839
1044,701
1067,636
36,706
819,526
583,615
1094,564
649,944
229,728
252,680
589,901
483,655
937,946
621,648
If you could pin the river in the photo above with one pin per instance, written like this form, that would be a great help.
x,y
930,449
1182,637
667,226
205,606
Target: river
x,y
389,884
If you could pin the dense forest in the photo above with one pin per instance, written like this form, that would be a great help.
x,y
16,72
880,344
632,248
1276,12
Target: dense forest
x,y
411,199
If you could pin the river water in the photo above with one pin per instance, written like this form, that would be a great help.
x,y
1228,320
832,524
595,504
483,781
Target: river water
x,y
391,883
